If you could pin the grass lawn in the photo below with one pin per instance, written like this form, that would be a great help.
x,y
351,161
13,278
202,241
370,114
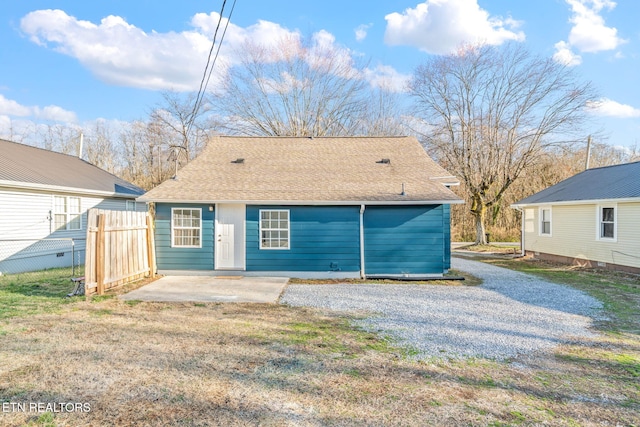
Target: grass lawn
x,y
155,364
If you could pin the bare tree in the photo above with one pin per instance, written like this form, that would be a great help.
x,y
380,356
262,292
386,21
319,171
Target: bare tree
x,y
185,128
99,147
58,137
147,159
293,88
493,112
382,114
12,131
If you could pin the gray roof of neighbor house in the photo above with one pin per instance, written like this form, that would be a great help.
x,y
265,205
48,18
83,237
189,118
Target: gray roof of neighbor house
x,y
23,166
605,183
307,170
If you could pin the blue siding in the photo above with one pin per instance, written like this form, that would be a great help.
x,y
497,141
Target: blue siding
x,y
323,238
398,240
404,239
168,258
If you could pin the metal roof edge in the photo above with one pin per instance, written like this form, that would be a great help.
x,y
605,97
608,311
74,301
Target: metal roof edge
x,y
578,202
61,189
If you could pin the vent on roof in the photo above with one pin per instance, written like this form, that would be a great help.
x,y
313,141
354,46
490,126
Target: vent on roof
x,y
238,160
384,161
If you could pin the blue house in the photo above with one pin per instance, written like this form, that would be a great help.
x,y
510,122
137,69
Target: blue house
x,y
306,207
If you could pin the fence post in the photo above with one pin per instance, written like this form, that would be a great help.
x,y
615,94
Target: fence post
x,y
100,254
73,257
151,247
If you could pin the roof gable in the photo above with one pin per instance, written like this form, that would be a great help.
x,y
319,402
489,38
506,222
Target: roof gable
x,y
605,183
25,166
301,169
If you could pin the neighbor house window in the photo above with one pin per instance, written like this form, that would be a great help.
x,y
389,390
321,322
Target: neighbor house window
x,y
274,229
545,221
130,205
66,213
186,228
607,222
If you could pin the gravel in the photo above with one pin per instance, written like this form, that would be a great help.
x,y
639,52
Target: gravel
x,y
510,314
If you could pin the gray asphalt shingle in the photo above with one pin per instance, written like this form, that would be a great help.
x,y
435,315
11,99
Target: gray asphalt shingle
x,y
301,169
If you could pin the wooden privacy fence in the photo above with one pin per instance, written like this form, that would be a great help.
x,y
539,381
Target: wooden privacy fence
x,y
120,249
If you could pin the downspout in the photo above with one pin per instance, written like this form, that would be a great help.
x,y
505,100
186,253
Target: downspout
x,y
362,271
522,252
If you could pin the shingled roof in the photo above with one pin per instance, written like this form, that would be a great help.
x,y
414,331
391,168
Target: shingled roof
x,y
605,183
309,170
24,166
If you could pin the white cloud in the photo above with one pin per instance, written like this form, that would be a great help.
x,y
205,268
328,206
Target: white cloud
x,y
609,108
119,53
11,108
387,78
122,54
267,34
361,31
589,33
441,26
564,55
325,53
55,113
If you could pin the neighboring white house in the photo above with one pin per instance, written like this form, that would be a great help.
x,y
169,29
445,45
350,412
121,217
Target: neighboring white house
x,y
590,219
44,198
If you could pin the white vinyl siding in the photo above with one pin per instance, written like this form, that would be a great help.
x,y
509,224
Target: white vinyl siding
x,y
27,216
274,229
186,228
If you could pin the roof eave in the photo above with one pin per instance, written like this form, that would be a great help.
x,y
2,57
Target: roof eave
x,y
63,189
578,202
308,202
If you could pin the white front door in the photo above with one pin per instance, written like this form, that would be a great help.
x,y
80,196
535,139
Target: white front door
x,y
229,235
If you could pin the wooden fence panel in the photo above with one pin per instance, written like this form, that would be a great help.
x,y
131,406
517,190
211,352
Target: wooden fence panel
x,y
120,249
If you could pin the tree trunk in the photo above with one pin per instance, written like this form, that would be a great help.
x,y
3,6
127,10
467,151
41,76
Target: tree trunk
x,y
479,215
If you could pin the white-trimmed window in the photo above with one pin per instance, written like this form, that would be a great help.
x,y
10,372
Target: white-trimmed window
x,y
545,221
66,213
186,228
607,222
274,229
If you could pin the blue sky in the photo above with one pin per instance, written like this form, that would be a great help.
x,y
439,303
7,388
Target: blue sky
x,y
75,62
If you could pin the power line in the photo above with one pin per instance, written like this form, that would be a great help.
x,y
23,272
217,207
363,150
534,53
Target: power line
x,y
208,69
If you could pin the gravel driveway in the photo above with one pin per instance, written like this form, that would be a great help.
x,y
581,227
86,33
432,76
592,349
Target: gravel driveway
x,y
511,313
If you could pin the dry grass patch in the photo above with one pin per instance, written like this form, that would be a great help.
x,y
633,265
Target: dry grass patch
x,y
492,249
161,364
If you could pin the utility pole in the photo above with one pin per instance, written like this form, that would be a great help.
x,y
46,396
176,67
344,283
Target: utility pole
x,y
586,163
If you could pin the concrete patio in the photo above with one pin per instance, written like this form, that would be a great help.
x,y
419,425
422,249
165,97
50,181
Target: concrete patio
x,y
210,289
